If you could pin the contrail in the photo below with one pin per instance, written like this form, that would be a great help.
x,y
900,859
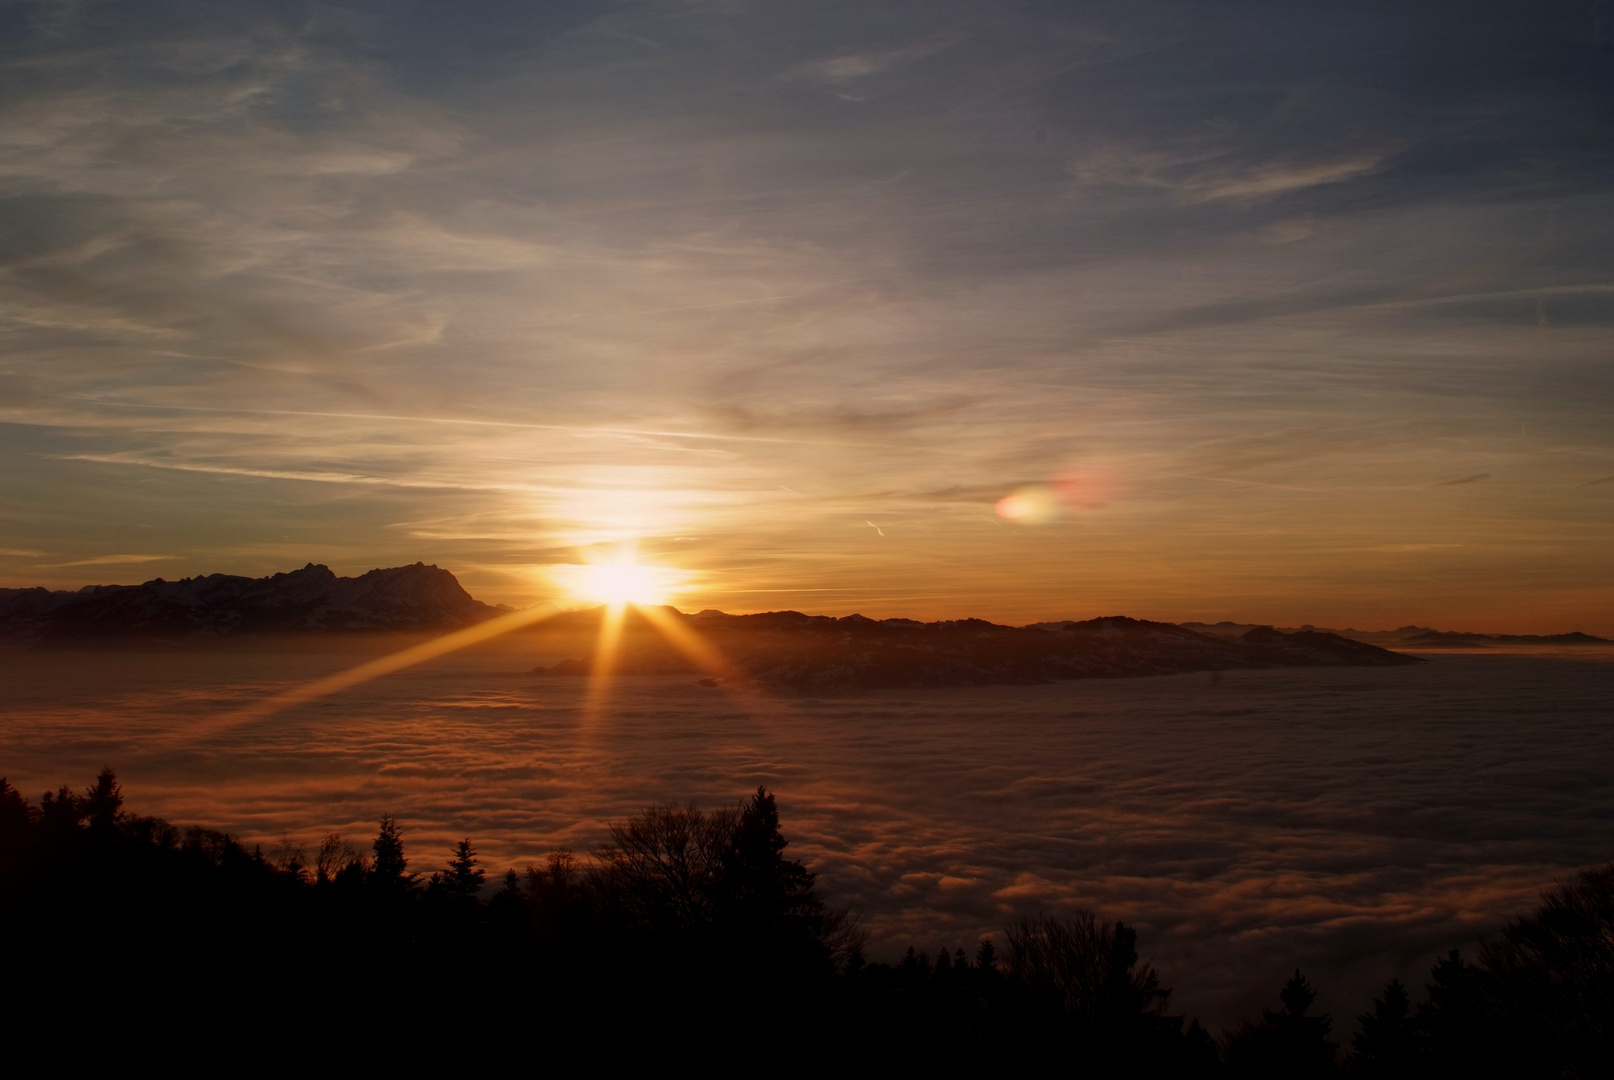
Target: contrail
x,y
580,429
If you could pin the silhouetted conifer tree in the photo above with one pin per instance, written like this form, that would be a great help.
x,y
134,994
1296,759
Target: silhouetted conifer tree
x,y
1387,1045
60,812
1452,1021
464,878
390,867
1290,1042
14,816
1302,1037
762,895
103,802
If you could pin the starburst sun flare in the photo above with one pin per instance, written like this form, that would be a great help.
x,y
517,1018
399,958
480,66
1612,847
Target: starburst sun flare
x,y
619,582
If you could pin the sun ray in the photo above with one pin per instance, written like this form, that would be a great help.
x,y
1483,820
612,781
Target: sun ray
x,y
682,637
597,694
385,665
761,705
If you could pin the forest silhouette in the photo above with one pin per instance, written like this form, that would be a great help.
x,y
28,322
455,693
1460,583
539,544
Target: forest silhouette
x,y
690,937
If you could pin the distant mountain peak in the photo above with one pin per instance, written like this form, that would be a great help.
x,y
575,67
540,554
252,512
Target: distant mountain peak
x,y
414,597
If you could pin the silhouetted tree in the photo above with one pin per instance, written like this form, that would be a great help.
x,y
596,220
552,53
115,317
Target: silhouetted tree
x,y
14,816
1388,1044
336,857
1289,1042
1084,974
1452,1021
60,812
758,882
763,899
1089,968
1550,980
915,966
390,867
103,802
662,866
290,859
464,878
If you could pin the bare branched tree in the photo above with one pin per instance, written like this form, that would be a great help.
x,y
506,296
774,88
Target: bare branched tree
x,y
335,855
665,860
289,857
1089,967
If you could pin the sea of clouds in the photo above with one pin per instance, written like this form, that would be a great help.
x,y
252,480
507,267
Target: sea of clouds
x,y
1352,822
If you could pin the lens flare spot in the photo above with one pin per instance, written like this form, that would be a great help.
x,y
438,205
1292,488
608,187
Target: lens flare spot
x,y
1030,504
1082,488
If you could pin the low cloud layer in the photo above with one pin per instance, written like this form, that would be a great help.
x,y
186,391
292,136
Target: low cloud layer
x,y
1353,822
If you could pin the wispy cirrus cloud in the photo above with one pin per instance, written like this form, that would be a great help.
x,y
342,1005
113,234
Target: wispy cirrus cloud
x,y
109,560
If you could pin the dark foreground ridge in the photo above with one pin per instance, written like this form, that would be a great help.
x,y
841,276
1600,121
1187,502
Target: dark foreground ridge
x,y
812,653
689,938
417,597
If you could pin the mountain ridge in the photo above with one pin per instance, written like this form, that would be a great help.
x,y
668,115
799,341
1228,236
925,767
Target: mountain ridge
x,y
312,599
815,653
427,597
1418,637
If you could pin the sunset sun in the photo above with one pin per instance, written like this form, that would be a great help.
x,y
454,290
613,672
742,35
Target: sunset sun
x,y
620,583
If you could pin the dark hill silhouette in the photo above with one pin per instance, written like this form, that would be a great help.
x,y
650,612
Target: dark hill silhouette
x,y
417,597
804,653
1449,639
820,653
1414,637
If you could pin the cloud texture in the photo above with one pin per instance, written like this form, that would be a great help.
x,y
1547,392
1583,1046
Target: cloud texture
x,y
367,284
1351,821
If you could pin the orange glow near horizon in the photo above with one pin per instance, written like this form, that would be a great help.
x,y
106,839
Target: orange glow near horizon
x,y
620,584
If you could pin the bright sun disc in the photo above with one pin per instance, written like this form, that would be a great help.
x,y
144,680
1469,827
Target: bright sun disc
x,y
620,583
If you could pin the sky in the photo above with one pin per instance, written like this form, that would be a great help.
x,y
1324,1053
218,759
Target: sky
x,y
1278,312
